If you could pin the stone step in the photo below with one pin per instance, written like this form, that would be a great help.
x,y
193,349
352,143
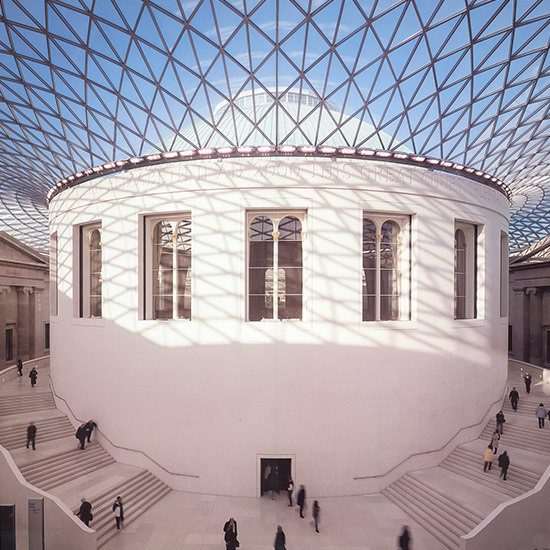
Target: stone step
x,y
11,405
14,436
522,437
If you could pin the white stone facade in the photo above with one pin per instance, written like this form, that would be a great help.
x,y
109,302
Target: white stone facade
x,y
348,401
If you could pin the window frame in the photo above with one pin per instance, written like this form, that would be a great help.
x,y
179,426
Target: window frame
x,y
276,216
404,265
149,224
471,233
85,308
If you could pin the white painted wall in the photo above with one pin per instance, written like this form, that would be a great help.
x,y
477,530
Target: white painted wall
x,y
348,399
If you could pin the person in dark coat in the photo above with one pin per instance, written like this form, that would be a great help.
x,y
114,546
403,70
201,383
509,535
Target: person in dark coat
x,y
118,510
316,515
514,398
230,534
500,422
81,435
527,379
504,464
31,435
20,367
280,539
301,500
85,512
33,375
89,427
404,539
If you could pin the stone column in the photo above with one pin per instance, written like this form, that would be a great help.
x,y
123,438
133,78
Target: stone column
x,y
24,327
535,325
4,290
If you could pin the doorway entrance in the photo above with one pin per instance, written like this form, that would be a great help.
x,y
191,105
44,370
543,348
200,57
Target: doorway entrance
x,y
274,474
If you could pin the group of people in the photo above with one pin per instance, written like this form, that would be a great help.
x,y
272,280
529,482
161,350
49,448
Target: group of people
x,y
84,432
232,542
85,512
301,503
33,373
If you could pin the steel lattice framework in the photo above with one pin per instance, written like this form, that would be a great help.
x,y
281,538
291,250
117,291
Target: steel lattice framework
x,y
86,82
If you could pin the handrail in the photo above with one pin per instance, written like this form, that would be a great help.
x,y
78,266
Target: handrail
x,y
52,388
424,453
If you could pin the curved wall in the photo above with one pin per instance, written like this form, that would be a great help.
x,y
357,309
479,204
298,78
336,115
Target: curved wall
x,y
345,399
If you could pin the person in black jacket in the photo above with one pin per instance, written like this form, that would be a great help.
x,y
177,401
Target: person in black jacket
x,y
514,398
33,376
89,428
230,534
85,512
31,435
301,500
500,422
81,435
20,367
405,539
280,539
504,464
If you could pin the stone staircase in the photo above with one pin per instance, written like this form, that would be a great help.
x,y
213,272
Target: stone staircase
x,y
59,466
451,499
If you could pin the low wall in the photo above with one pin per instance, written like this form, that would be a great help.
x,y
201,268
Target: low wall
x,y
62,529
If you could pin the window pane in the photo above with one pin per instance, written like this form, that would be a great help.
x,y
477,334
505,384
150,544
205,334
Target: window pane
x,y
290,253
389,308
258,309
257,280
293,280
162,307
369,270
460,274
261,254
290,229
291,308
368,308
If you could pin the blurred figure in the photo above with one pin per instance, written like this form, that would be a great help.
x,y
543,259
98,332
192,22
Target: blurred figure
x,y
118,510
527,379
81,435
404,539
500,422
31,435
301,500
316,514
33,375
514,398
280,539
20,367
85,512
504,464
89,428
290,490
494,441
541,413
488,458
230,534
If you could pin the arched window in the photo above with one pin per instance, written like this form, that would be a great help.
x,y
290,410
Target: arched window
x,y
386,268
90,281
274,267
465,270
169,276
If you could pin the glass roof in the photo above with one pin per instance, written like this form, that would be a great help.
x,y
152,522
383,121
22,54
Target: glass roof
x,y
86,82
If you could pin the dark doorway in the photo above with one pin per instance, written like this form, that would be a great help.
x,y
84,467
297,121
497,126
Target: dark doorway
x,y
275,473
7,527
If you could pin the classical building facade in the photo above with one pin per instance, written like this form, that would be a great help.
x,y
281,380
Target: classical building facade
x,y
529,330
24,302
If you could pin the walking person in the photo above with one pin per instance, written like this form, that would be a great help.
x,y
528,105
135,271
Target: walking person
x,y
514,398
494,441
527,379
20,367
500,421
488,458
89,428
33,375
280,539
85,512
81,435
31,435
118,511
301,500
230,534
290,490
404,539
316,514
504,464
541,413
